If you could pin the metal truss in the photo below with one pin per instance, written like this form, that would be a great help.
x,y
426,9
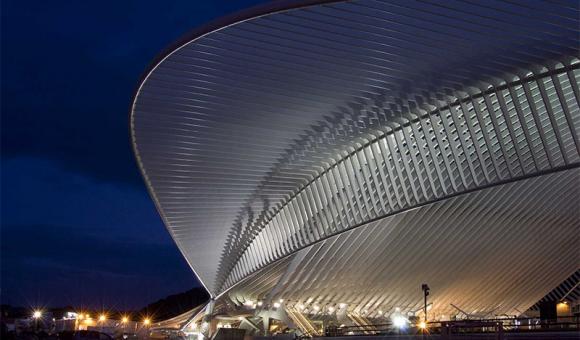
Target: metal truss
x,y
468,142
494,251
270,132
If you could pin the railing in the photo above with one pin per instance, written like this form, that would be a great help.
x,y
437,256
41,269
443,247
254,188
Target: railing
x,y
504,325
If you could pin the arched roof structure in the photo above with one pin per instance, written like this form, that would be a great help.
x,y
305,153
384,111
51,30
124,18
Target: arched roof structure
x,y
296,124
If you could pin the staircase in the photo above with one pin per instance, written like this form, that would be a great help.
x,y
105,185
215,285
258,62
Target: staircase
x,y
365,325
302,322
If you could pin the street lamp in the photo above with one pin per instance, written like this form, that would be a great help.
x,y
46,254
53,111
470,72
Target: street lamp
x,y
102,319
37,314
146,321
425,289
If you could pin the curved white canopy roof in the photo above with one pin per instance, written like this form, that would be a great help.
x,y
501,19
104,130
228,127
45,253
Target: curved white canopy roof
x,y
267,132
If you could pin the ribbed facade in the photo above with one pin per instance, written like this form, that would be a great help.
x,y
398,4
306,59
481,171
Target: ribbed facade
x,y
292,127
492,252
463,144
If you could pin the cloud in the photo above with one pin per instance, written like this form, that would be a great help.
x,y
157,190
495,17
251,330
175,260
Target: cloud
x,y
60,266
69,70
76,218
72,239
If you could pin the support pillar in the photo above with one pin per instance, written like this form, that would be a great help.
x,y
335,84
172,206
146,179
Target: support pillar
x,y
208,327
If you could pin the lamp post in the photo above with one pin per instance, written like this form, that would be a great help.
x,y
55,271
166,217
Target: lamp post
x,y
102,319
124,321
425,289
36,315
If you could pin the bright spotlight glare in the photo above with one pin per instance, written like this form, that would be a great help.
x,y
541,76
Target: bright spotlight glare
x,y
146,321
37,314
400,322
422,325
102,317
125,319
276,305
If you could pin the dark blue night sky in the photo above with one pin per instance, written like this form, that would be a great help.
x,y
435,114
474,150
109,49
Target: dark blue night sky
x,y
78,227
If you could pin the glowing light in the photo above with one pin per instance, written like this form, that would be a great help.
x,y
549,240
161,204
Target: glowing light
x,y
102,317
80,316
260,303
281,300
276,305
380,312
37,314
342,305
331,309
124,319
562,307
400,321
422,325
397,309
316,308
146,321
249,303
88,316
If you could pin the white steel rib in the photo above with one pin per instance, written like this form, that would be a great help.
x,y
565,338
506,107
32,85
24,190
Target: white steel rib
x,y
496,250
300,124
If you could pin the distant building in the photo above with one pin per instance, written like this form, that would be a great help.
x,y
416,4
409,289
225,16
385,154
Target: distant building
x,y
317,161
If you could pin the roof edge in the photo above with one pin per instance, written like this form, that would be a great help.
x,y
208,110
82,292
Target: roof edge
x,y
212,26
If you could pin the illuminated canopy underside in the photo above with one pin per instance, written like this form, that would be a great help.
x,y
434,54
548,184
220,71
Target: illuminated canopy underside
x,y
401,141
492,252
